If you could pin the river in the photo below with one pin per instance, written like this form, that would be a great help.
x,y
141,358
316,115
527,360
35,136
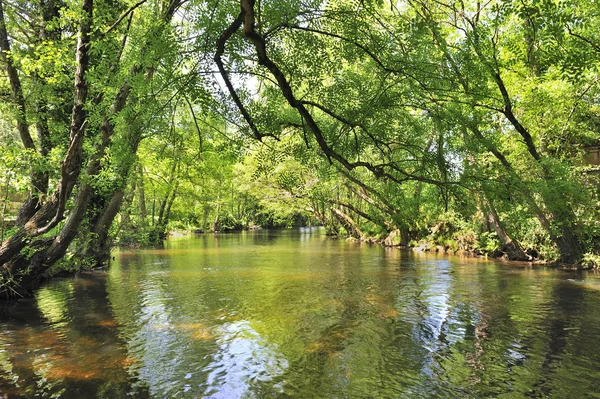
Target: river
x,y
294,314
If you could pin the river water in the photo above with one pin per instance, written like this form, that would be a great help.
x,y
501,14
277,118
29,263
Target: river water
x,y
293,314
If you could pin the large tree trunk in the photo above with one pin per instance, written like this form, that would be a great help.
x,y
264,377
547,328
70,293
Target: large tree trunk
x,y
569,246
99,253
95,249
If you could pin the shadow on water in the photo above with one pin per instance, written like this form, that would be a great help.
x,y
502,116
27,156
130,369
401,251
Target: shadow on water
x,y
64,343
294,314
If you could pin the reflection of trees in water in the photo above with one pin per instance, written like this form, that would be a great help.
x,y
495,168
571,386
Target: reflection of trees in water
x,y
164,347
508,333
569,355
468,352
182,333
57,345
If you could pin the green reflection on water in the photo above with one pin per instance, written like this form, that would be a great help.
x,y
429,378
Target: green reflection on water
x,y
294,314
52,303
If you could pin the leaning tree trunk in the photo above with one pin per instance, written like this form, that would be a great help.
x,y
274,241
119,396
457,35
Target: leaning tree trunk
x,y
351,227
513,248
563,234
99,253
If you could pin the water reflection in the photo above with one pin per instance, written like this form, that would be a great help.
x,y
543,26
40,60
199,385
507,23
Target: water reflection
x,y
295,314
242,359
63,344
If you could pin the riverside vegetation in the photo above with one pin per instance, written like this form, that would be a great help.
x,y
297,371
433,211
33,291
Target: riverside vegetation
x,y
454,125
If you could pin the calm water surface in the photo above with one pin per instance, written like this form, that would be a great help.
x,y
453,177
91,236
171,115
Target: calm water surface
x,y
292,314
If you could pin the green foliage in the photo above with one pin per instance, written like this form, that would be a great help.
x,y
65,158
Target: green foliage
x,y
413,119
488,242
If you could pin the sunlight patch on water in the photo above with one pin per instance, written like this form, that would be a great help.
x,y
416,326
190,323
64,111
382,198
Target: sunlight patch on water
x,y
243,357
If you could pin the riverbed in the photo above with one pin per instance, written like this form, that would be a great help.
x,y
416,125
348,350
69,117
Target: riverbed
x,y
295,314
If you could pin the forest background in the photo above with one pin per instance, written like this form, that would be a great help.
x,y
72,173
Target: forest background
x,y
444,125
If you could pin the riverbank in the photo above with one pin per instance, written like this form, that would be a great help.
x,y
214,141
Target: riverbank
x,y
589,261
452,247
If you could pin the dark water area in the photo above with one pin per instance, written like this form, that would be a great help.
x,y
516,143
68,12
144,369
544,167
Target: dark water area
x,y
293,314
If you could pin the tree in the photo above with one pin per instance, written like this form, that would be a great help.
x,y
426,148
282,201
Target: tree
x,y
41,238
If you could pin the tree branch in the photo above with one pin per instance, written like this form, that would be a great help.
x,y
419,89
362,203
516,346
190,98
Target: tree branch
x,y
123,16
221,41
